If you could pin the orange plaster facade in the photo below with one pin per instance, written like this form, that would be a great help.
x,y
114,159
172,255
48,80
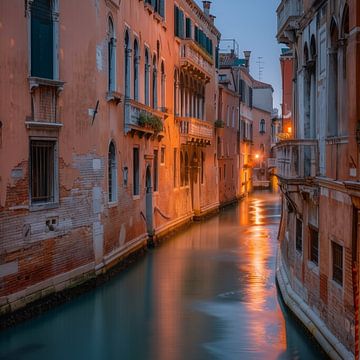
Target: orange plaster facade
x,y
127,122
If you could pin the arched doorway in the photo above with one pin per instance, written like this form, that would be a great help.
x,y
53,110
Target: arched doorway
x,y
149,202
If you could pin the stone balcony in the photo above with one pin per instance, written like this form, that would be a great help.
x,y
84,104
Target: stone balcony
x,y
134,111
44,103
297,159
288,15
271,163
195,131
195,60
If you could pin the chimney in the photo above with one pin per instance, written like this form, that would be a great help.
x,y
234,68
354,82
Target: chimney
x,y
247,59
212,18
207,5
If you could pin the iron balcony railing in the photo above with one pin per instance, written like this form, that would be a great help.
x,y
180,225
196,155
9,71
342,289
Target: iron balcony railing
x,y
288,14
297,159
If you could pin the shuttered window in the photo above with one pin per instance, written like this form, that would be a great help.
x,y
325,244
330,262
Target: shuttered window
x,y
188,28
179,23
42,43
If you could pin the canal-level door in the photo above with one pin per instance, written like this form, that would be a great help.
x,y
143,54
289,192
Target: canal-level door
x,y
149,202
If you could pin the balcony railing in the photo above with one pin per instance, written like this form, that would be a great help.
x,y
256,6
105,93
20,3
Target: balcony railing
x,y
288,13
194,59
195,131
133,113
271,163
297,159
44,102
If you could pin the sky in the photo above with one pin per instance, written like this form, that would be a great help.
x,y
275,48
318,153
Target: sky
x,y
253,25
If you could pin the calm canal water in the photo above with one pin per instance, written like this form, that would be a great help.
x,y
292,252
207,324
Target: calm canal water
x,y
208,293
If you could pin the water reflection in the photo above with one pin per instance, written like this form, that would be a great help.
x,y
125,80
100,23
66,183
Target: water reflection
x,y
209,293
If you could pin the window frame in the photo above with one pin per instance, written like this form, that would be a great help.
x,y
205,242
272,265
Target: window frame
x,y
337,270
313,230
34,205
136,172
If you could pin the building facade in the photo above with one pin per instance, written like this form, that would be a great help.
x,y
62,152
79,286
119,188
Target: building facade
x,y
106,134
318,172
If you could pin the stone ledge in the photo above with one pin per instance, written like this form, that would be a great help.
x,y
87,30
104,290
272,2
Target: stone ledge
x,y
327,340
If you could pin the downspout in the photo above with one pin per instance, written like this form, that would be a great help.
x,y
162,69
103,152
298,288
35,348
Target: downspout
x,y
355,279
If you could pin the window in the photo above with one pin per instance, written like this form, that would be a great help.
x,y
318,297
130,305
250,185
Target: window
x,y
127,64
136,172
298,234
136,70
112,173
186,169
188,28
314,245
162,87
337,263
175,167
202,167
162,156
156,168
146,80
182,169
42,39
262,126
43,171
111,58
179,23
154,84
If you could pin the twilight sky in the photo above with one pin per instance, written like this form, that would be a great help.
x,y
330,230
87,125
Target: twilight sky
x,y
253,24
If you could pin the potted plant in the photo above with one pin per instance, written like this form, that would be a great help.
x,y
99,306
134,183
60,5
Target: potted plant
x,y
151,122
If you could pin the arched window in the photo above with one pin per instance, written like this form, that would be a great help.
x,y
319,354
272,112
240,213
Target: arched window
x,y
42,39
154,83
111,57
112,173
262,126
136,70
162,87
127,64
146,80
333,81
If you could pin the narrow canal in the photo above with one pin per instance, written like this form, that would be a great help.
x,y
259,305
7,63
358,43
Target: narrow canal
x,y
208,293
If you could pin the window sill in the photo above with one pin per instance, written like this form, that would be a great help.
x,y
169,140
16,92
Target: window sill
x,y
35,82
44,206
336,285
112,204
313,267
136,197
113,96
31,124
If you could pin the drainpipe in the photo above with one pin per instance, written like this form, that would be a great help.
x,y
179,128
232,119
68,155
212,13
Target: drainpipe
x,y
355,279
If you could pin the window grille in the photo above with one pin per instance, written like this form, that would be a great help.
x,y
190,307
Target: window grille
x,y
42,171
337,252
314,245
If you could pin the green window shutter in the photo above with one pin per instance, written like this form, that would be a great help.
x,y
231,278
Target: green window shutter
x,y
42,43
181,24
188,28
176,20
162,8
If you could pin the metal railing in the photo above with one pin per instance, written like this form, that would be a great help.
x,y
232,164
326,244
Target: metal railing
x,y
297,159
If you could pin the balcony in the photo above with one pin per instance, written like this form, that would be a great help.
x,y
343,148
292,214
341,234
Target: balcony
x,y
288,15
297,159
195,131
195,60
44,103
143,120
271,163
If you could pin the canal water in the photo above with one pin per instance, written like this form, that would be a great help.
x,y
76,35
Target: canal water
x,y
208,293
